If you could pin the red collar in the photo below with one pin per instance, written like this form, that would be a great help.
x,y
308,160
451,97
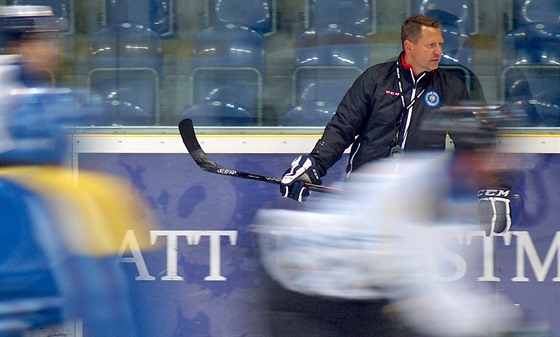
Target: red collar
x,y
408,66
405,65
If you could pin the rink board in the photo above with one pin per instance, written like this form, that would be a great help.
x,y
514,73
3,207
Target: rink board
x,y
205,279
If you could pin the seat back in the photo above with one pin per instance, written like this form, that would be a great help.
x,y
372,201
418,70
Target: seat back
x,y
531,70
125,64
332,45
320,84
328,60
533,11
354,13
131,95
154,14
533,43
258,15
125,45
227,66
463,10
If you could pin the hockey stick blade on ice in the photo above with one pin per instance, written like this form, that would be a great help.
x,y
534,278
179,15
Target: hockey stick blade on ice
x,y
186,129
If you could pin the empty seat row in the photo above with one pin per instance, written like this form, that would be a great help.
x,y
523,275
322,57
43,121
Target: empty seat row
x,y
227,70
228,65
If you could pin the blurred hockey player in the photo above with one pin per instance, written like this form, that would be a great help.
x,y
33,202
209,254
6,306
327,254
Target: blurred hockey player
x,y
369,262
61,230
29,41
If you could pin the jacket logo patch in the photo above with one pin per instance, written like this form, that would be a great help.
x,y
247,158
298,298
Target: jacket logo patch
x,y
392,93
431,98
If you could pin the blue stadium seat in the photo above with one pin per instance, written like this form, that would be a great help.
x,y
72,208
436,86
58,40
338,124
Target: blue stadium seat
x,y
227,66
464,10
531,69
332,45
355,13
533,43
62,9
328,60
29,295
156,14
532,11
330,53
126,64
258,15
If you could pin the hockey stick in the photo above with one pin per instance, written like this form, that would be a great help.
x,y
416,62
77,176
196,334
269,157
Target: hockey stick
x,y
188,135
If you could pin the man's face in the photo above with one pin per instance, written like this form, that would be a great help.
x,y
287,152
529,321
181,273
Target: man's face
x,y
41,52
425,54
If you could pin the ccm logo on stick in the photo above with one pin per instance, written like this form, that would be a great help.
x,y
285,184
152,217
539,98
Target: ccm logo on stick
x,y
227,171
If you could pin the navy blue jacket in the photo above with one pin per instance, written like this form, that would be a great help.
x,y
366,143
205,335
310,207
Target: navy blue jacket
x,y
369,114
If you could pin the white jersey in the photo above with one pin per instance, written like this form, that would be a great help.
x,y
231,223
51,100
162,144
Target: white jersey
x,y
9,73
381,240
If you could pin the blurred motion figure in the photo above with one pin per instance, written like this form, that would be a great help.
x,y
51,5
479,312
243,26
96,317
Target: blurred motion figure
x,y
59,231
29,41
369,262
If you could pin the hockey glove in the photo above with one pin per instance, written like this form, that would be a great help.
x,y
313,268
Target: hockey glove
x,y
293,181
494,210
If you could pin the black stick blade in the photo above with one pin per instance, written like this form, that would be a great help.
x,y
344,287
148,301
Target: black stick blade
x,y
186,129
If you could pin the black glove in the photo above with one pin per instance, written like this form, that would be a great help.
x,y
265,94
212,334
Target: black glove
x,y
494,209
293,181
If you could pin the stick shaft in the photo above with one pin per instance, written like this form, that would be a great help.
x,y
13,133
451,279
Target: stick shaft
x,y
186,129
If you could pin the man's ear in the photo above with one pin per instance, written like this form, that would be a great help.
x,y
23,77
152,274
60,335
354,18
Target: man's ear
x,y
407,45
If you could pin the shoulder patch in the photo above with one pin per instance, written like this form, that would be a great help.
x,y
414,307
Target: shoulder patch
x,y
431,98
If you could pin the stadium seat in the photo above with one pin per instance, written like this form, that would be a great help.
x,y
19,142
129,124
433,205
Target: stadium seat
x,y
156,14
332,45
355,13
227,66
532,11
258,15
62,9
533,43
464,10
328,59
325,86
333,54
531,69
125,64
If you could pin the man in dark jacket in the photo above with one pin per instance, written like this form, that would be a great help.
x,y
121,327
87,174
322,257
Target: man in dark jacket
x,y
381,113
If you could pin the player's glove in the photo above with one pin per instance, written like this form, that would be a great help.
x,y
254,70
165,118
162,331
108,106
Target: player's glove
x,y
494,209
293,181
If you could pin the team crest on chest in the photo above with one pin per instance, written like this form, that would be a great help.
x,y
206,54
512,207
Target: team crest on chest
x,y
431,98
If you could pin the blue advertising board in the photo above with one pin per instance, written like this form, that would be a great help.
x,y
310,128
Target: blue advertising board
x,y
204,277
